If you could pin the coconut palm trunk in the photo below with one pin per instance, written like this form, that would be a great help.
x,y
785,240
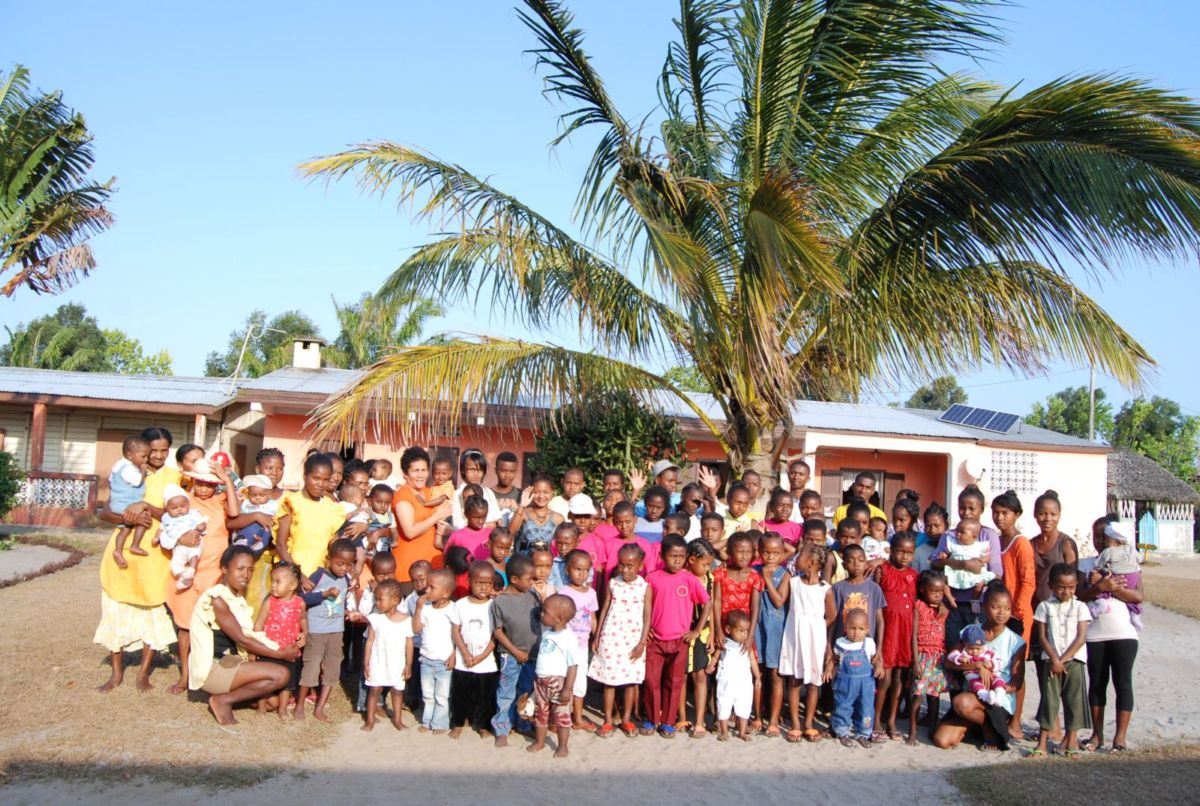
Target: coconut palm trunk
x,y
814,209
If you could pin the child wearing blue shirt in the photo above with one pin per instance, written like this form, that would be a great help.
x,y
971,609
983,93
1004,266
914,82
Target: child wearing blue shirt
x,y
326,624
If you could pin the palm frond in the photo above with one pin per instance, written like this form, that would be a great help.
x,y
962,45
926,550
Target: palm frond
x,y
695,69
422,389
1093,168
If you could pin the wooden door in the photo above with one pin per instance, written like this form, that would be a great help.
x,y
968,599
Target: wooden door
x,y
108,453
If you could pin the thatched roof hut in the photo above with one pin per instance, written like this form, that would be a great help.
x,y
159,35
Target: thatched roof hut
x,y
1152,503
1133,477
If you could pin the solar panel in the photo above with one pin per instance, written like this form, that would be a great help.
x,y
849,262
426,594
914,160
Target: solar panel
x,y
984,419
956,413
1002,423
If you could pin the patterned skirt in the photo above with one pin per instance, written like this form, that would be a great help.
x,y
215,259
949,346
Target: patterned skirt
x,y
126,627
930,679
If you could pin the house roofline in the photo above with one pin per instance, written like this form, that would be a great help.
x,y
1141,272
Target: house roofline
x,y
108,404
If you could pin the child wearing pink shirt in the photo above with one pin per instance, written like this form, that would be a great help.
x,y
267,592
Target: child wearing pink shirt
x,y
474,536
625,521
779,513
673,595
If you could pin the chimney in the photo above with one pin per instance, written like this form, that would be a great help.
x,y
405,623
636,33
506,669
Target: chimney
x,y
306,353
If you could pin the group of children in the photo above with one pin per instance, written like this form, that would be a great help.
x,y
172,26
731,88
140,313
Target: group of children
x,y
535,601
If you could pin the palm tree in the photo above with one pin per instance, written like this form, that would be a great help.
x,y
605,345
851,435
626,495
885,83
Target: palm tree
x,y
48,207
373,326
820,208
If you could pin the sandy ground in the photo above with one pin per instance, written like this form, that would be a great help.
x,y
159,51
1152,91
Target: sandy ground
x,y
25,559
385,765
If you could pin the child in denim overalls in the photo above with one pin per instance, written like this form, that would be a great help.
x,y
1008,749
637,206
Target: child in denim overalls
x,y
853,676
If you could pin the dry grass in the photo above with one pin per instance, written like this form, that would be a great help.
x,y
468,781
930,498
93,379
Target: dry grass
x,y
1173,593
1161,775
56,723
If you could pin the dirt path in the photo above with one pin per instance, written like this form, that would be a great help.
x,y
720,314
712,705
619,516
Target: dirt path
x,y
61,729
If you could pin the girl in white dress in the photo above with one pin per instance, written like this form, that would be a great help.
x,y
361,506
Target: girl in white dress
x,y
389,651
622,632
802,658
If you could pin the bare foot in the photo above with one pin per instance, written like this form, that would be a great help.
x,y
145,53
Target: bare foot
x,y
485,734
535,747
221,710
144,684
455,733
112,682
368,727
911,741
560,752
745,737
119,559
298,714
398,723
179,688
423,729
320,715
437,732
501,741
138,550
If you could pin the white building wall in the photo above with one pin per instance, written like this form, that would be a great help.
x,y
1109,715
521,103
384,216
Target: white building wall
x,y
1080,479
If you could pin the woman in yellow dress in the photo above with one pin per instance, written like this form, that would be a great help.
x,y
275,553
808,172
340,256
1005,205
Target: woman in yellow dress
x,y
269,463
308,519
132,615
206,477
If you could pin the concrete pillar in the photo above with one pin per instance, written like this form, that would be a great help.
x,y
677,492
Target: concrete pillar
x,y
37,437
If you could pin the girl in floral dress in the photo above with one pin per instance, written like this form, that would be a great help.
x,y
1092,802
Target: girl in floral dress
x,y
622,632
929,649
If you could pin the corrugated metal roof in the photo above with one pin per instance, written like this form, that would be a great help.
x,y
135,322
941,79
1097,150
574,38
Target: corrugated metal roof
x,y
301,381
209,392
817,415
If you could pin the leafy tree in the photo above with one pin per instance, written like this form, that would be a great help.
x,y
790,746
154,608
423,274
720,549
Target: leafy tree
x,y
268,346
125,355
374,325
1159,429
611,430
10,483
814,179
687,379
1067,413
48,205
67,339
940,393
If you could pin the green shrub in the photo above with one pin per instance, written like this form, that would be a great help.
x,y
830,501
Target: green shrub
x,y
10,483
610,431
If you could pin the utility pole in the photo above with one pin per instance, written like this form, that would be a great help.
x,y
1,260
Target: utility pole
x,y
1092,404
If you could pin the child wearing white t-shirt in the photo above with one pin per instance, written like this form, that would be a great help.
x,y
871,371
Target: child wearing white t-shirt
x,y
475,677
388,656
558,662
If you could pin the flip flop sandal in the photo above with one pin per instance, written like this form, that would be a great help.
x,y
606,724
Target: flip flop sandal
x,y
629,729
588,727
605,731
1072,753
772,732
847,741
647,729
878,737
794,736
1119,748
865,742
813,735
683,727
666,731
722,737
698,732
894,735
1035,753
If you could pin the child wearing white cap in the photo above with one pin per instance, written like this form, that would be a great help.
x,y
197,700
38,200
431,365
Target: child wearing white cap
x,y
180,519
1118,558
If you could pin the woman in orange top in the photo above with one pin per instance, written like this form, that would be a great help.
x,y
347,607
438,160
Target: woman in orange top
x,y
205,477
1020,577
419,524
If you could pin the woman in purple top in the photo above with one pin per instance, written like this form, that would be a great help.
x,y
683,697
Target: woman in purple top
x,y
971,504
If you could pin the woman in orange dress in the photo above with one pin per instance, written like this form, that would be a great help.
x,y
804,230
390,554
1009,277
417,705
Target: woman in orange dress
x,y
418,524
1020,577
205,477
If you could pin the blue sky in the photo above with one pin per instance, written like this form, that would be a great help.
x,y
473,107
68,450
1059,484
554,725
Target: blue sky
x,y
202,111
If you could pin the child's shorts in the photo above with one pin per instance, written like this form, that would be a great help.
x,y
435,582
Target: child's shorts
x,y
322,660
581,680
548,711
